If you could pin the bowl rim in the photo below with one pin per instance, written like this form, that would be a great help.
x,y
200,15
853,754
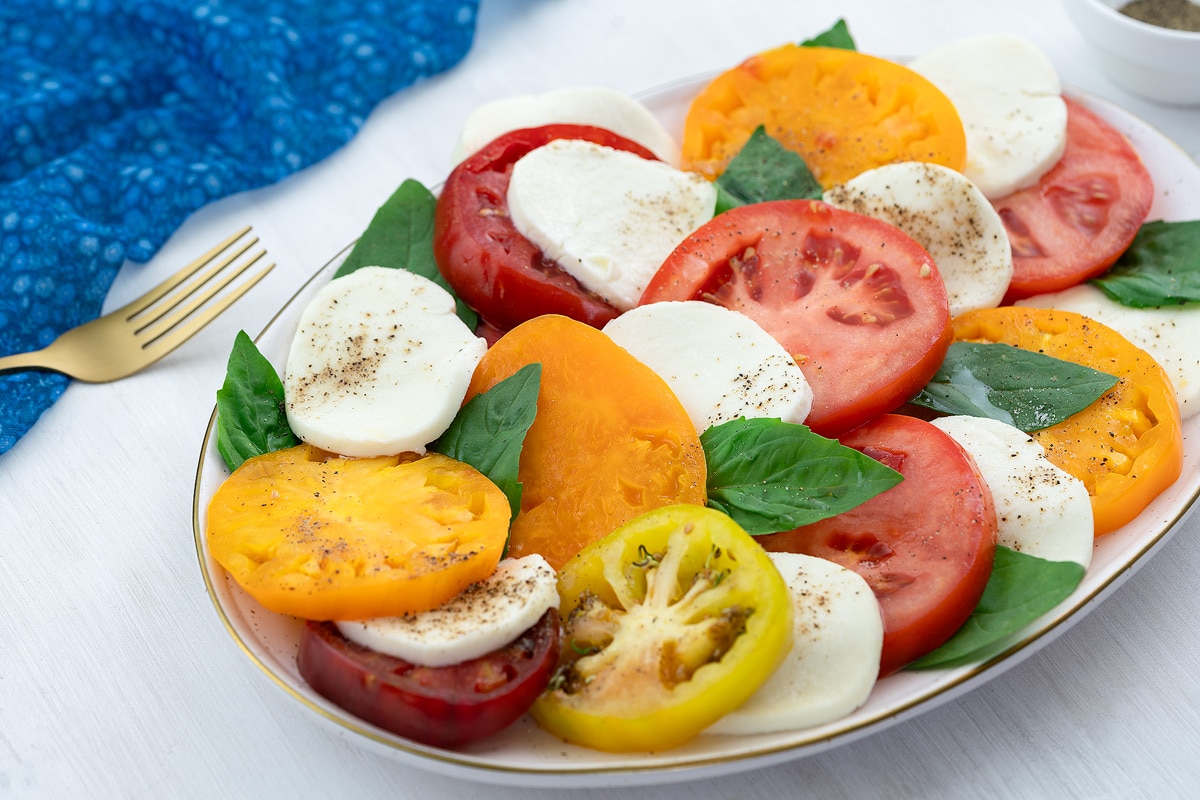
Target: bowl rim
x,y
1108,10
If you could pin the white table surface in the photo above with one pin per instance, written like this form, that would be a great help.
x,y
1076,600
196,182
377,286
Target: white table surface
x,y
118,680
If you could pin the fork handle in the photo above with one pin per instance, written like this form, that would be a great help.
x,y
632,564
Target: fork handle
x,y
35,359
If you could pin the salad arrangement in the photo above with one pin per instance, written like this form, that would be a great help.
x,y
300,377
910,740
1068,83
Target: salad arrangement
x,y
582,453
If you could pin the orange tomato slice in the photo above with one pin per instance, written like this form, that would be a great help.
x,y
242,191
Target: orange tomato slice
x,y
322,537
610,441
843,111
1127,447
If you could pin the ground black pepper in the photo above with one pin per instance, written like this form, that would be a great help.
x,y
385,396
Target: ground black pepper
x,y
1180,15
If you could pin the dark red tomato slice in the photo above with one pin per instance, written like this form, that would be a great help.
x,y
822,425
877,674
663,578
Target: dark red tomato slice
x,y
493,268
440,706
858,304
1074,223
925,546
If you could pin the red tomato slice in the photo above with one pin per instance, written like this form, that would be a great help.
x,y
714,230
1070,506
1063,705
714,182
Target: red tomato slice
x,y
440,706
1074,223
493,268
858,304
925,546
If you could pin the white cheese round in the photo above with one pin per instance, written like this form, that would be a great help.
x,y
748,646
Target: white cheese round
x,y
379,365
484,617
586,105
608,217
1009,98
837,639
1041,510
720,363
947,215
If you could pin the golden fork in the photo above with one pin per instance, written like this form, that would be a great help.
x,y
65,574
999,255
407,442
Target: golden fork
x,y
136,335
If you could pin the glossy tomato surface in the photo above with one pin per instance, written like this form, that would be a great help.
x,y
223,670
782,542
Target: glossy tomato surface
x,y
320,536
672,621
1074,223
925,546
489,263
441,706
858,304
1127,447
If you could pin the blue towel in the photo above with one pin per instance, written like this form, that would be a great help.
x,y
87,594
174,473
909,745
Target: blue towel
x,y
118,118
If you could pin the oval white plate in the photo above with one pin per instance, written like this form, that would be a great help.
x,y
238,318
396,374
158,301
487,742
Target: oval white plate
x,y
524,755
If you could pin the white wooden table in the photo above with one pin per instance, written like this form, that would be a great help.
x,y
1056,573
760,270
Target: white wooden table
x,y
118,680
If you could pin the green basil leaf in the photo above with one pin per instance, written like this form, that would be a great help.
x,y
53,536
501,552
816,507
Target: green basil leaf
x,y
838,36
772,476
250,416
764,170
1021,589
1161,267
1027,390
400,236
490,429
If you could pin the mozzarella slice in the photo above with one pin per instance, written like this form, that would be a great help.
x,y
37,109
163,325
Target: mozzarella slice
x,y
484,617
1009,98
720,363
1042,510
603,108
947,215
608,217
834,660
1168,334
379,365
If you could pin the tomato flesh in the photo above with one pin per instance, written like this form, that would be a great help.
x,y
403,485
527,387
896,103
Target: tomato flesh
x,y
672,621
1127,447
1078,219
494,269
845,112
925,546
858,304
441,706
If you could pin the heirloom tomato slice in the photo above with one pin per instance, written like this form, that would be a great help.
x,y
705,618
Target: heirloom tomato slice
x,y
1127,447
670,622
442,706
1078,219
859,305
925,546
610,440
319,536
844,112
479,251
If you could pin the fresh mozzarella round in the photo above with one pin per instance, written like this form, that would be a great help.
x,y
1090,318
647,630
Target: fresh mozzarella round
x,y
607,216
834,661
603,108
483,618
379,365
1009,98
720,363
947,215
1042,510
1168,334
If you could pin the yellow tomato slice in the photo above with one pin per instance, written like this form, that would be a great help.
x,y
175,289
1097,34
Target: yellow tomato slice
x,y
844,112
324,537
670,622
610,441
1127,447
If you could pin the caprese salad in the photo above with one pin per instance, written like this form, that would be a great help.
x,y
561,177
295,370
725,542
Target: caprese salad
x,y
652,438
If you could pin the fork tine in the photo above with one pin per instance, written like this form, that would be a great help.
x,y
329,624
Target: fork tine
x,y
179,331
140,304
172,312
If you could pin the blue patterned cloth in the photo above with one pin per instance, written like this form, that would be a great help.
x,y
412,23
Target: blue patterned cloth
x,y
118,118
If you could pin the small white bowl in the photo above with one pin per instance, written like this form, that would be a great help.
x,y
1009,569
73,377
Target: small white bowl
x,y
1157,63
